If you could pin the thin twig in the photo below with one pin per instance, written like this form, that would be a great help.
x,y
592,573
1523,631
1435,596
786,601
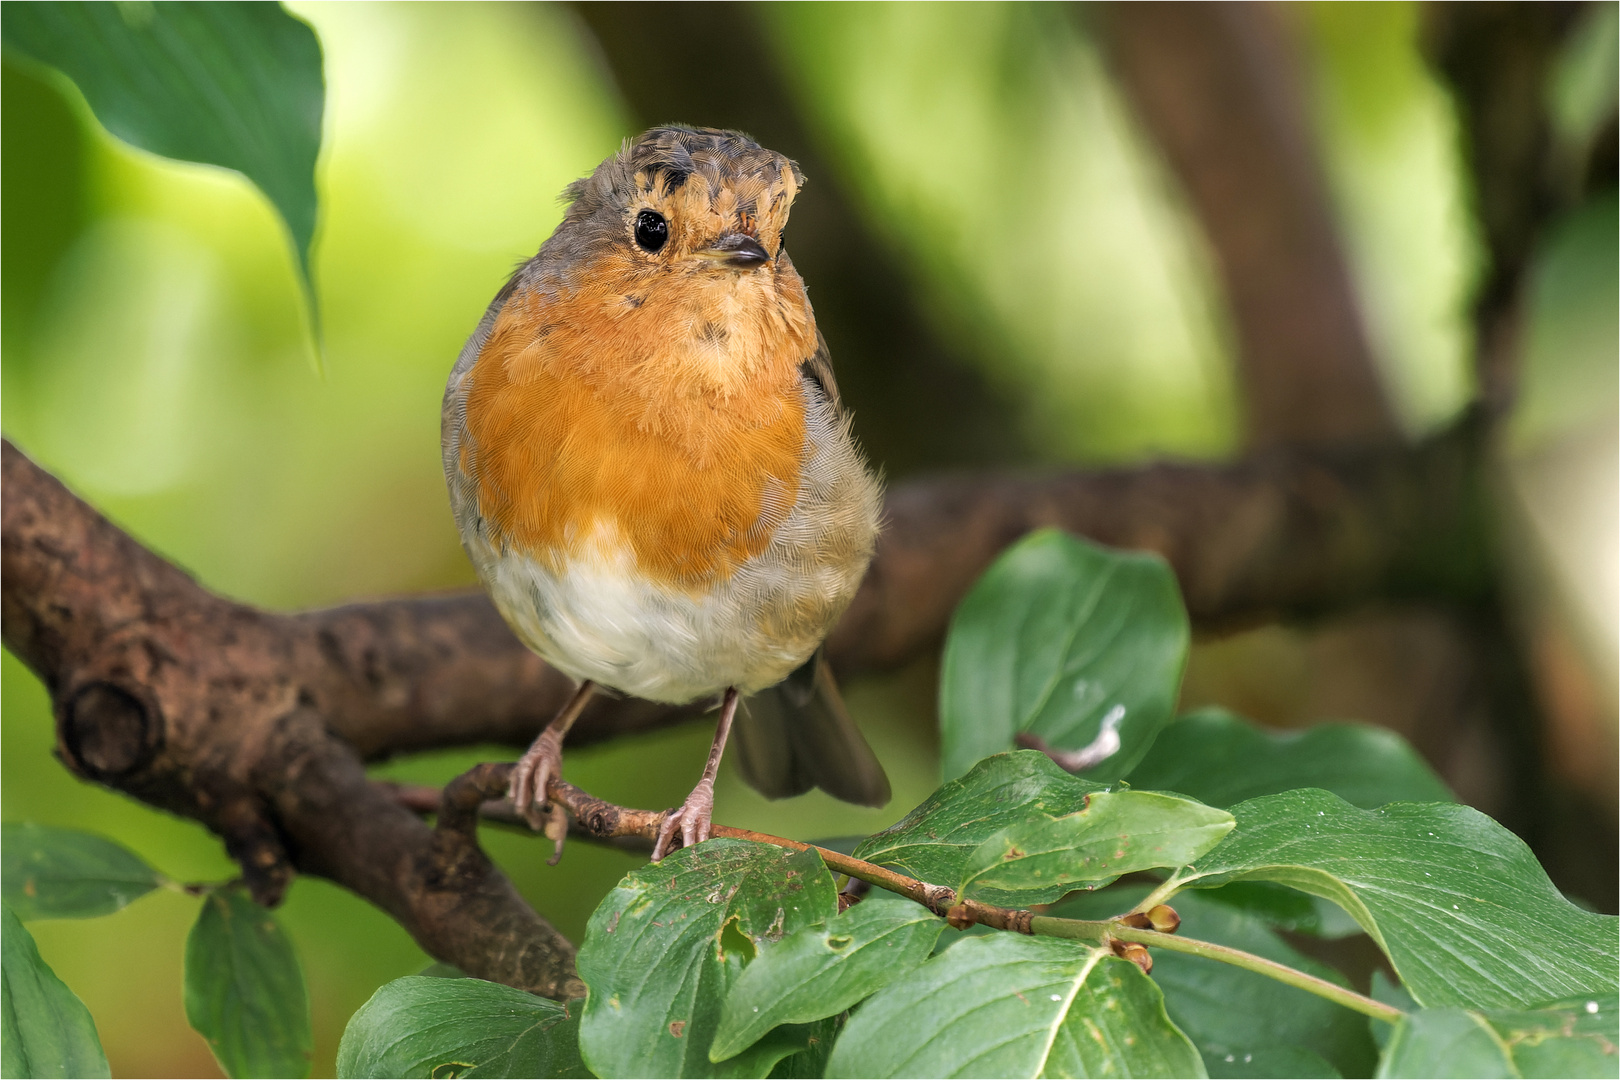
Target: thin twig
x,y
423,799
604,820
936,898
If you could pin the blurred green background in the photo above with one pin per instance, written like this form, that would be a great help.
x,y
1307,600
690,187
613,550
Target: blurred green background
x,y
155,358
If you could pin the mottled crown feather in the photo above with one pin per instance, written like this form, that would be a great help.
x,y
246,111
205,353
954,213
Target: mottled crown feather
x,y
667,157
706,182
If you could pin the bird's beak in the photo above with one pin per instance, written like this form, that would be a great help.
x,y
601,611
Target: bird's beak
x,y
736,250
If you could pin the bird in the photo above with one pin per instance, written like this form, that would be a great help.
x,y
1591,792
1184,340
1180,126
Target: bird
x,y
655,478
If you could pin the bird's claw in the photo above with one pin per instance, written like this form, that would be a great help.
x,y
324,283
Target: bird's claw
x,y
556,832
694,818
538,766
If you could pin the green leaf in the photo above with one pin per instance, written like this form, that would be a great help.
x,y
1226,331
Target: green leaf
x,y
822,970
1445,1043
1058,636
244,989
51,873
1459,904
423,1026
441,970
1576,1037
1283,908
1243,1023
46,1029
1573,1038
1281,1062
933,842
1116,832
1221,759
667,944
1009,1005
1388,992
229,84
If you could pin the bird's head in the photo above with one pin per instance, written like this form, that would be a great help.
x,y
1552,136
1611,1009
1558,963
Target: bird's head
x,y
686,200
670,261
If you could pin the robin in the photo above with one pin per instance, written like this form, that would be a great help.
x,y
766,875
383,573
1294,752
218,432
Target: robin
x,y
654,476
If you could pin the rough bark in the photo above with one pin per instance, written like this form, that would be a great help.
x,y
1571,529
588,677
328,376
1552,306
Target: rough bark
x,y
219,712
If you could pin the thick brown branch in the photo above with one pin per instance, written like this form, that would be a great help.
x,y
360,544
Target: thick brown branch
x,y
215,711
1285,533
1216,86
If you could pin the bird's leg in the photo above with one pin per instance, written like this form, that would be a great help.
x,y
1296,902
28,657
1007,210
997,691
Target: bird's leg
x,y
696,814
540,764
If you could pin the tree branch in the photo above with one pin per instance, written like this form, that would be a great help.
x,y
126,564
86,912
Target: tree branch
x,y
219,712
1496,58
1289,532
1217,86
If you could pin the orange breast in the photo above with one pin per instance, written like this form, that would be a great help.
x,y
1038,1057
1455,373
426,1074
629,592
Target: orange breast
x,y
673,420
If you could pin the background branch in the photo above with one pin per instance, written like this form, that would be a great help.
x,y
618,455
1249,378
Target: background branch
x,y
257,724
1218,87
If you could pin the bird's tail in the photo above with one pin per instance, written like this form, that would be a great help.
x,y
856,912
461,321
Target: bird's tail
x,y
798,735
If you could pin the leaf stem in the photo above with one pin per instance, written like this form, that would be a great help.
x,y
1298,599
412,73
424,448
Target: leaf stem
x,y
943,901
1166,889
1258,964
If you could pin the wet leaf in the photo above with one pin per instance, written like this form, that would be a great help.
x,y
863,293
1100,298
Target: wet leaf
x,y
667,944
1573,1038
1460,905
1577,1037
1243,1023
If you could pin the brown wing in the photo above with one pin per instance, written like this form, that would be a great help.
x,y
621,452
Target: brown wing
x,y
798,735
818,369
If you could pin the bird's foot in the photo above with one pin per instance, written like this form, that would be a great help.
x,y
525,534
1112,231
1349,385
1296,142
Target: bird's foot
x,y
694,818
538,766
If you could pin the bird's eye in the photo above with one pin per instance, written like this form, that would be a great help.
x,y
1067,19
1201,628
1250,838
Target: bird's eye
x,y
652,231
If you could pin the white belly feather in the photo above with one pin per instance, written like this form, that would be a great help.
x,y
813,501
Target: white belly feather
x,y
599,619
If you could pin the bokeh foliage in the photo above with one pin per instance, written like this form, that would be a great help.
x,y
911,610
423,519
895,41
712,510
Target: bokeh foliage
x,y
154,350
